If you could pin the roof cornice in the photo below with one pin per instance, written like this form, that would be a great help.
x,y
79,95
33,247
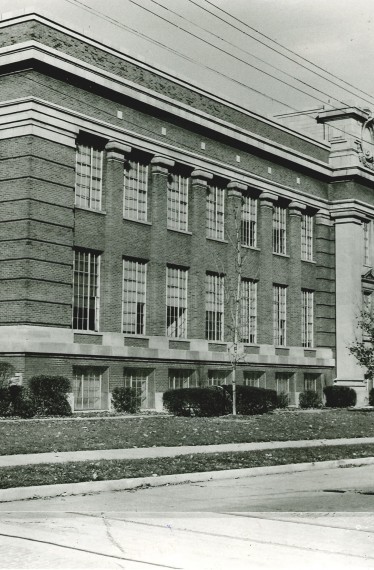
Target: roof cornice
x,y
44,17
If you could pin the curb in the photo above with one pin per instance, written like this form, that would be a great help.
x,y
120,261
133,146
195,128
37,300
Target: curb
x,y
92,487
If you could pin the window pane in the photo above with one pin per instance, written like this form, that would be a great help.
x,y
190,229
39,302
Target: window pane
x,y
176,302
279,312
86,291
307,318
249,221
87,389
249,311
307,237
215,213
88,177
134,296
177,202
214,307
279,229
135,191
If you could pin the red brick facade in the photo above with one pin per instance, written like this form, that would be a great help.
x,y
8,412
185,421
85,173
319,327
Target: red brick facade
x,y
165,122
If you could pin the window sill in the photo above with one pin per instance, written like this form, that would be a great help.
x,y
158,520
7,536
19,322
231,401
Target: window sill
x,y
216,239
309,261
144,222
281,254
93,333
255,248
101,212
186,232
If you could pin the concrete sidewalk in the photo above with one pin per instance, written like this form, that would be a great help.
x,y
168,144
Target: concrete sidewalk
x,y
152,452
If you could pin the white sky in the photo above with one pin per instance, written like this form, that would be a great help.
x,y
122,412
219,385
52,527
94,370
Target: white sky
x,y
337,35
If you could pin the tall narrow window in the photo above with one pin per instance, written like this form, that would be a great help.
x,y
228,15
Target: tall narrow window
x,y
254,378
366,229
177,199
176,302
307,237
283,382
279,311
138,378
181,379
217,377
134,296
215,213
214,302
88,177
249,221
135,191
249,311
89,389
86,291
307,318
279,229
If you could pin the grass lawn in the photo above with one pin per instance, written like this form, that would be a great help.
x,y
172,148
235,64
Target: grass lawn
x,y
75,472
33,436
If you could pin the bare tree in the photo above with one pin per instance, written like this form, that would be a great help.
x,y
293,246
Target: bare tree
x,y
363,349
235,302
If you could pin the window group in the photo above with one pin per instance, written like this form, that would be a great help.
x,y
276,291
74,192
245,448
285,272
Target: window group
x,y
136,187
86,303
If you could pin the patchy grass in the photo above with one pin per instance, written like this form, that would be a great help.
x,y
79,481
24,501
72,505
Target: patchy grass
x,y
75,472
74,434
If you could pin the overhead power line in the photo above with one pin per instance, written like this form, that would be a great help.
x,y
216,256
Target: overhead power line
x,y
103,16
247,53
283,47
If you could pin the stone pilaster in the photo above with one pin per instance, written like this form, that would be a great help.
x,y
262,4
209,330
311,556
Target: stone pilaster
x,y
234,252
156,281
196,300
348,267
111,268
265,288
295,210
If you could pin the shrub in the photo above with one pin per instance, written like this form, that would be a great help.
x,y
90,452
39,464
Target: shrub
x,y
5,402
6,372
371,397
339,396
21,402
310,399
203,402
126,400
283,400
251,400
50,395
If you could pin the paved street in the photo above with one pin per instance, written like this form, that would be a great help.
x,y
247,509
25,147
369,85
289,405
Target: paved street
x,y
217,524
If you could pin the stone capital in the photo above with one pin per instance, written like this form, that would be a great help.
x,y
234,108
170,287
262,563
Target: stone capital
x,y
201,177
349,216
235,189
117,151
296,208
161,164
267,199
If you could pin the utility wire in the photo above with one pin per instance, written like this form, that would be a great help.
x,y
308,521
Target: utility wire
x,y
283,47
247,53
190,59
132,30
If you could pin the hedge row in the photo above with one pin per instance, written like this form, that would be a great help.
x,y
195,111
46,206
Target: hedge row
x,y
217,401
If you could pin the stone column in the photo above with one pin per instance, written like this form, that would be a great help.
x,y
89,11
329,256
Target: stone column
x,y
196,293
156,274
111,269
265,286
348,266
295,210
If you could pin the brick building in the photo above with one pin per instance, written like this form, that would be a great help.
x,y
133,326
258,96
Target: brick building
x,y
119,185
